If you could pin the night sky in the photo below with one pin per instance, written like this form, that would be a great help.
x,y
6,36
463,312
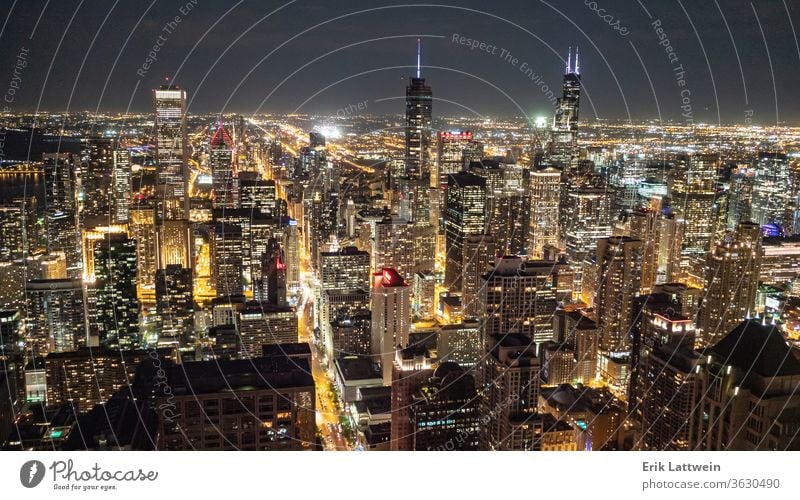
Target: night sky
x,y
323,56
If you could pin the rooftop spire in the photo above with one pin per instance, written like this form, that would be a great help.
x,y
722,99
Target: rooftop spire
x,y
569,61
418,56
577,63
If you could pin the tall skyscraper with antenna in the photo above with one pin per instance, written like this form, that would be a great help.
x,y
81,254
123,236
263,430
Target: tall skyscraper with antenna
x,y
565,122
418,123
418,166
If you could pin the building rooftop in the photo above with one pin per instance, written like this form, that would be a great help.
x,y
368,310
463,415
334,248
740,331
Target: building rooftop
x,y
759,348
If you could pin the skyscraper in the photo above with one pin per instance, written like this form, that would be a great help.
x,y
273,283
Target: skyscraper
x,y
731,280
748,396
121,183
565,122
419,99
465,215
520,297
545,193
55,315
393,245
222,162
619,261
772,192
174,304
61,211
391,318
346,268
226,258
115,307
171,154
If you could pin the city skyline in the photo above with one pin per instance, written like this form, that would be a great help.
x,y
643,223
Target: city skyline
x,y
406,282
634,69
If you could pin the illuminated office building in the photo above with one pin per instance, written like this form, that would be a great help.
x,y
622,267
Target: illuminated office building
x,y
54,315
263,324
172,189
693,197
114,305
393,245
748,394
173,243
520,297
96,182
142,229
465,215
565,123
545,193
346,268
227,258
772,191
258,194
61,211
731,280
510,377
89,376
479,255
222,162
444,412
121,186
174,303
456,150
619,261
419,99
391,318
12,241
460,343
271,283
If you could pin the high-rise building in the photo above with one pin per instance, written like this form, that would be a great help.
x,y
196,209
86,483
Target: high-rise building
x,y
263,324
61,210
748,394
478,257
460,343
12,241
732,272
693,198
456,150
444,411
391,318
465,215
174,304
227,259
545,195
772,191
96,172
89,376
565,122
55,315
142,229
172,189
271,407
256,193
393,245
666,399
222,162
619,262
510,377
113,304
346,268
271,285
121,186
520,297
419,98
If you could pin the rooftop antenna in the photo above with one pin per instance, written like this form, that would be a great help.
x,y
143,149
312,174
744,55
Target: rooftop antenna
x,y
577,63
418,56
569,60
